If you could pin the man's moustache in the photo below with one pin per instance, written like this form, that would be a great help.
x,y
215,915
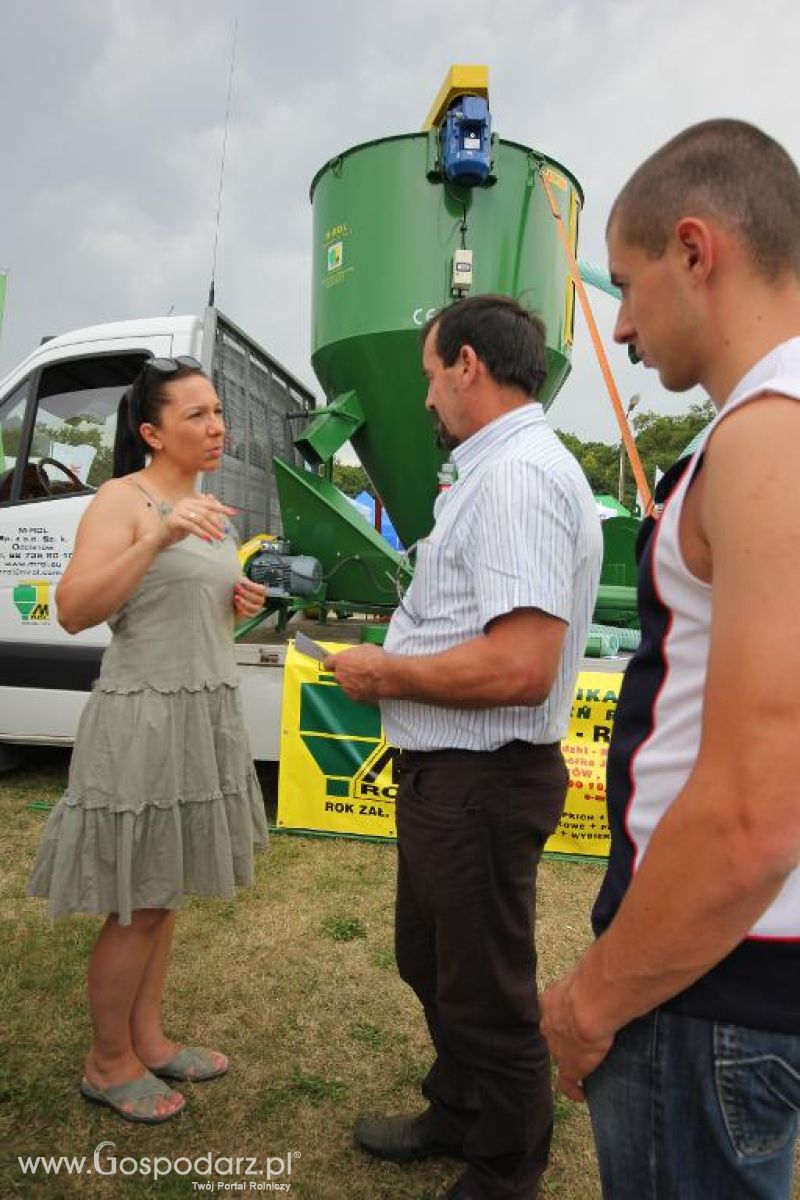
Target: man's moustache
x,y
444,438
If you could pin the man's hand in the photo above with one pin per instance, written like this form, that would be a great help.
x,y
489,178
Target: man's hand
x,y
362,672
575,1054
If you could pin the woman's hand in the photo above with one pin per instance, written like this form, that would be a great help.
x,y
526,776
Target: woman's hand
x,y
201,515
248,598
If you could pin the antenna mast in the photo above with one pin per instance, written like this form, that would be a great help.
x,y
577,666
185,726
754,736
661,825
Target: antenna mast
x,y
222,166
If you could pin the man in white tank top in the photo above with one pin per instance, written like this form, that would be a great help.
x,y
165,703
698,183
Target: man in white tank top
x,y
681,1024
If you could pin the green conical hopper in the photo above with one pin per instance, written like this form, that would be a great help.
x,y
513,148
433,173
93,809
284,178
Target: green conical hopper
x,y
385,229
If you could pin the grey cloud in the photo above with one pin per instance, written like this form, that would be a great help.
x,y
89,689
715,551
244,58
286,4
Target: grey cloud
x,y
114,118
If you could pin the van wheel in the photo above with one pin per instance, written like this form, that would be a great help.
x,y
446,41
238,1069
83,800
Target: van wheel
x,y
9,758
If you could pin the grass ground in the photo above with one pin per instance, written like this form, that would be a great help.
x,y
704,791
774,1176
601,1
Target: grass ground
x,y
295,980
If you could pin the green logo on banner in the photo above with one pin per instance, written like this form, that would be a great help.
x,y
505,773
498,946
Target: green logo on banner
x,y
341,736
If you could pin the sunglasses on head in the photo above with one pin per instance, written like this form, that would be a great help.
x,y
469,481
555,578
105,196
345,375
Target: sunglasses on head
x,y
168,366
158,366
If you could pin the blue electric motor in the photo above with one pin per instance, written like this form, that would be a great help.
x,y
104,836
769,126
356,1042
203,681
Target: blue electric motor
x,y
284,574
467,141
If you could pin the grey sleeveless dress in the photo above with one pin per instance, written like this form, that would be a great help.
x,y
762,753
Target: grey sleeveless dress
x,y
162,798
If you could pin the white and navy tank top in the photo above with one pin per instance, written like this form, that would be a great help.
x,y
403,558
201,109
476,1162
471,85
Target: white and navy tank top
x,y
656,740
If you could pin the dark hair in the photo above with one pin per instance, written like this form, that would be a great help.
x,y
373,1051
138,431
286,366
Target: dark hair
x,y
141,404
724,169
507,338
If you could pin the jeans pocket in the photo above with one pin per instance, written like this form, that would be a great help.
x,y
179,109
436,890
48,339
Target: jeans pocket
x,y
758,1088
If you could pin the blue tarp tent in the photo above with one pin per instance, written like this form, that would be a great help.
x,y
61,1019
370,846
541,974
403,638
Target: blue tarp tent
x,y
367,505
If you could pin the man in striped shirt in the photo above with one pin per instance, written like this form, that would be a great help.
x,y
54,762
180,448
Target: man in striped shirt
x,y
475,685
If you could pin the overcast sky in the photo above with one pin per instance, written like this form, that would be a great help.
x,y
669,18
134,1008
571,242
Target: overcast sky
x,y
113,112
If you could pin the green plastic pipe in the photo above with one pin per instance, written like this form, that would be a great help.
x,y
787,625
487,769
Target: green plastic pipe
x,y
601,645
599,278
628,639
616,605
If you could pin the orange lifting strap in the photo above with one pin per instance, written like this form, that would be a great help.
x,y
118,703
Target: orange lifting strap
x,y
602,358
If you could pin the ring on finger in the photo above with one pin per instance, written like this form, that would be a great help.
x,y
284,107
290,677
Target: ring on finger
x,y
192,516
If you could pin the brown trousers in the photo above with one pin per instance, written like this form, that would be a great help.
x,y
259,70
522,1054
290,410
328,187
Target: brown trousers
x,y
471,827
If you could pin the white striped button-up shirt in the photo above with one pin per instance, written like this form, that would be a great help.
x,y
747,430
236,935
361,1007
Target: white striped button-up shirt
x,y
518,529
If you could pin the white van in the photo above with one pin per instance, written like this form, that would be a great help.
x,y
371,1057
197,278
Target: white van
x,y
57,422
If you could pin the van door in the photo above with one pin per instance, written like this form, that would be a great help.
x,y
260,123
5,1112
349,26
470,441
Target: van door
x,y
57,430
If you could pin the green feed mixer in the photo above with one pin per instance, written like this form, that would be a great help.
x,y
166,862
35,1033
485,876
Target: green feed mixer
x,y
402,227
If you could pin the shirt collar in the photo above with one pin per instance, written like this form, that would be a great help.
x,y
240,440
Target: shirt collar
x,y
501,429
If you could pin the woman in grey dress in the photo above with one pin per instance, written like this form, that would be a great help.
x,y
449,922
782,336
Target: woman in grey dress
x,y
162,798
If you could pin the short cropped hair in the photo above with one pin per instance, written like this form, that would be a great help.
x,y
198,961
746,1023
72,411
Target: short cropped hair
x,y
507,338
726,170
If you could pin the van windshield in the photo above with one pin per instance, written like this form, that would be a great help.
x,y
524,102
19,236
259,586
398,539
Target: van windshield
x,y
72,440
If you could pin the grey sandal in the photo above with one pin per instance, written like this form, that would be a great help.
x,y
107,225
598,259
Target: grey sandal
x,y
193,1064
135,1100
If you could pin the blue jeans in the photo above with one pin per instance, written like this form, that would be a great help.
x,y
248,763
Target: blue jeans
x,y
686,1109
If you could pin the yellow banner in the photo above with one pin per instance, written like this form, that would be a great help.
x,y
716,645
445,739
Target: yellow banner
x,y
336,769
583,828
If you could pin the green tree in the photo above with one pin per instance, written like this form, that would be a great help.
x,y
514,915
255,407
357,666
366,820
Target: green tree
x,y
351,479
73,432
600,462
660,441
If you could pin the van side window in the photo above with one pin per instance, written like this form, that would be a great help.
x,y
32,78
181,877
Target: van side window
x,y
72,440
12,417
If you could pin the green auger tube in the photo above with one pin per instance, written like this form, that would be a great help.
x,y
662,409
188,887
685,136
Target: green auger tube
x,y
628,639
601,645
